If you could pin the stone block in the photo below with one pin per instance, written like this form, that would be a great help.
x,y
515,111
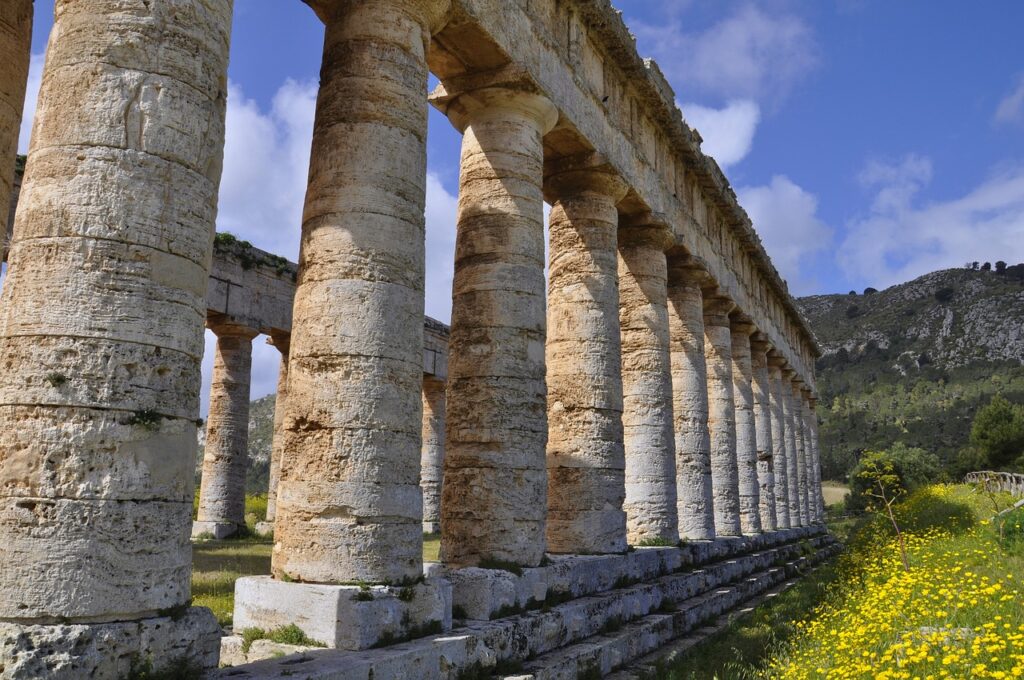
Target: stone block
x,y
107,651
344,617
215,530
265,529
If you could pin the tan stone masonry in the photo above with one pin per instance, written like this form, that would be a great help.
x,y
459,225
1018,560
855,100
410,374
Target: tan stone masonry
x,y
15,43
746,428
722,415
765,443
780,446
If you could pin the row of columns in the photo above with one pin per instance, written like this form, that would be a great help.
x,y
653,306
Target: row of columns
x,y
622,407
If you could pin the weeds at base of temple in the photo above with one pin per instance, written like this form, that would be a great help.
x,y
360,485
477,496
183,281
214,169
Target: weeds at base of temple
x,y
285,635
182,669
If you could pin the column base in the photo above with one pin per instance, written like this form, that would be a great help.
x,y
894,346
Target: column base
x,y
215,530
110,651
265,529
345,617
432,527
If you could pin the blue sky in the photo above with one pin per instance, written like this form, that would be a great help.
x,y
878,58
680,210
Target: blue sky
x,y
871,141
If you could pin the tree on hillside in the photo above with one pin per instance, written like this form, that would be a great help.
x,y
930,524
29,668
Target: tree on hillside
x,y
987,267
1000,267
997,435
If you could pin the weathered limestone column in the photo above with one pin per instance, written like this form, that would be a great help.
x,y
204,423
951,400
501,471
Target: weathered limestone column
x,y
789,414
101,330
226,454
690,398
779,447
494,498
15,47
799,421
722,415
746,428
585,458
432,453
282,342
648,436
759,347
814,508
349,505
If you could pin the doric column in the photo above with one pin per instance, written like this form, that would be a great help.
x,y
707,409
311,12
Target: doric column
x,y
282,342
226,453
101,330
722,415
780,451
651,513
746,428
349,505
788,413
432,453
585,460
494,502
799,422
15,44
690,398
817,501
759,347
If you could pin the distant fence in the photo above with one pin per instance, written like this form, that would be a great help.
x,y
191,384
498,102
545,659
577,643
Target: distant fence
x,y
1000,481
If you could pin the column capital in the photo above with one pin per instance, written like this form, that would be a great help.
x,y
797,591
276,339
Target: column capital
x,y
649,229
760,343
741,323
683,268
224,328
432,14
575,181
717,309
466,107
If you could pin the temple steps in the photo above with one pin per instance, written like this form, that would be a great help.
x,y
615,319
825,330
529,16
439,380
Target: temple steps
x,y
598,633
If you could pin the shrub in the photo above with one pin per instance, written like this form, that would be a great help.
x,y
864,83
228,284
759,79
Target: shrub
x,y
870,291
944,294
911,468
997,434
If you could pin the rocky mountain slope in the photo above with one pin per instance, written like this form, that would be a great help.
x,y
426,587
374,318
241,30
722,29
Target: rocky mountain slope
x,y
913,362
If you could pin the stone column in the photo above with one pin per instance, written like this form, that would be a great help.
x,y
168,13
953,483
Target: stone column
x,y
282,342
779,446
585,459
494,499
722,415
15,46
814,505
226,454
746,428
651,512
690,398
101,330
799,422
788,413
349,505
432,453
759,347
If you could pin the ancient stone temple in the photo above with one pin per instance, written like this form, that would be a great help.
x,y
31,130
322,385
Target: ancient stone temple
x,y
631,440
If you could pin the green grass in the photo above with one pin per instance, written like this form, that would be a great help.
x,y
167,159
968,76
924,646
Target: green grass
x,y
286,635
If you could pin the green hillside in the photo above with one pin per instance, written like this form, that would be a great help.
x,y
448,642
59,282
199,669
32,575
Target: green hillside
x,y
914,362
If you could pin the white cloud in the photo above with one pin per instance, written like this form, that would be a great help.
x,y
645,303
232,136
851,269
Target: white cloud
x,y
440,265
266,165
35,79
749,54
728,132
786,218
902,238
1011,107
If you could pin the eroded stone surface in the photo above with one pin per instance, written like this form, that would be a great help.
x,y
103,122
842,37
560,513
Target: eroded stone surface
x,y
746,428
799,426
494,500
349,504
585,456
226,453
108,651
15,44
721,416
763,419
647,418
780,448
690,399
282,343
432,456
